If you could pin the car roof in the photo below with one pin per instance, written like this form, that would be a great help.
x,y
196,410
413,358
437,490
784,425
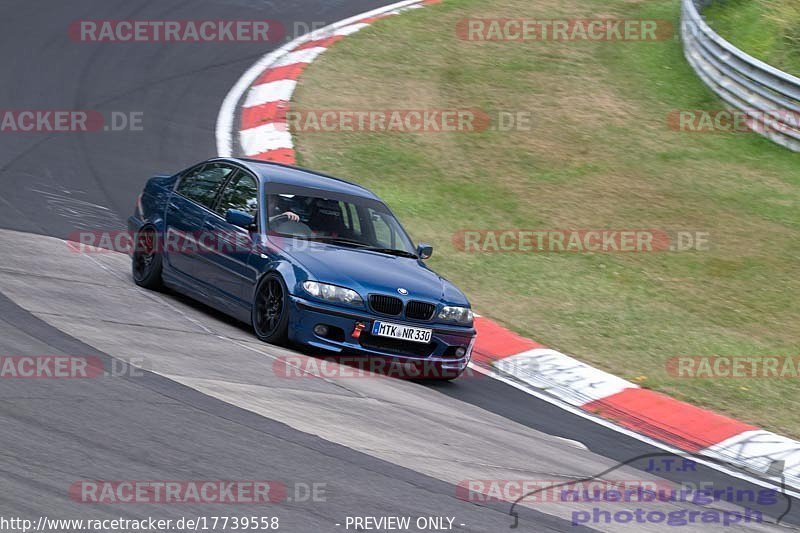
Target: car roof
x,y
272,172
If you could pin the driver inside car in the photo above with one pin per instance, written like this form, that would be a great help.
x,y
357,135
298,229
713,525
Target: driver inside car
x,y
289,214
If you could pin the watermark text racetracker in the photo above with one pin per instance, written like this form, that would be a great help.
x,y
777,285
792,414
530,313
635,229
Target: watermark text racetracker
x,y
196,31
723,121
564,30
68,367
175,242
734,367
355,367
555,490
404,120
195,491
580,241
176,31
69,121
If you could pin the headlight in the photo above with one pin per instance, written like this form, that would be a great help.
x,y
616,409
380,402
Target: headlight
x,y
462,315
332,293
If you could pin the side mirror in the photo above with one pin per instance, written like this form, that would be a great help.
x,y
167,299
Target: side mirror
x,y
424,251
239,218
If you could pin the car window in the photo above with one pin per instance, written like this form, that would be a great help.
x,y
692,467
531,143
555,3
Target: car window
x,y
351,219
384,231
240,193
363,222
202,185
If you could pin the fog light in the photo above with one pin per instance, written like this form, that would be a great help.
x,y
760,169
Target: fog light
x,y
460,352
321,330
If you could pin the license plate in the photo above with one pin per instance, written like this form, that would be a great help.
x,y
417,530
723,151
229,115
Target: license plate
x,y
399,331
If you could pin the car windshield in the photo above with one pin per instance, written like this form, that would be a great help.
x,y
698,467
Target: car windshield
x,y
337,219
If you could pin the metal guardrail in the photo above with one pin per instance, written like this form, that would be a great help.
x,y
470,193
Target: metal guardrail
x,y
770,98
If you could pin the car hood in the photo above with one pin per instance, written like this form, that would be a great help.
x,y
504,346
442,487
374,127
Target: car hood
x,y
372,272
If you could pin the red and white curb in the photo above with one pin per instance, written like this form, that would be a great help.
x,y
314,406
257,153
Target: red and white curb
x,y
265,90
264,93
663,419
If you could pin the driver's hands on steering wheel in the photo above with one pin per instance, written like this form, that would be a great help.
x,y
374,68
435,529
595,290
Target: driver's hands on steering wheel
x,y
293,217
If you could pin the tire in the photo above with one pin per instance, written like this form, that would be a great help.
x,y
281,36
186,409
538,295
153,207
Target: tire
x,y
270,313
146,259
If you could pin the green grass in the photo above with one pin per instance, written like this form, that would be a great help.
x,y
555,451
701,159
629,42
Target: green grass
x,y
599,155
766,29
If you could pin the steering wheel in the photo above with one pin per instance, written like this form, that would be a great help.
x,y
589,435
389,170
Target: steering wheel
x,y
290,227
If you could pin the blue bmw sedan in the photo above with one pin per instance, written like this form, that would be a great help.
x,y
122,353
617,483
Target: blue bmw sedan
x,y
302,257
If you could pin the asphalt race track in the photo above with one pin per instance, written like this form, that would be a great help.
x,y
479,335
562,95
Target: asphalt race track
x,y
210,402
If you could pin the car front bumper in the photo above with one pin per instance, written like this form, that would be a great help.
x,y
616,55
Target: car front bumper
x,y
342,322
